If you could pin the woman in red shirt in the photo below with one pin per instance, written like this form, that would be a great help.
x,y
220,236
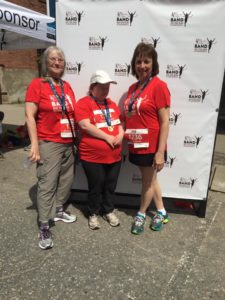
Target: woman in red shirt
x,y
50,118
147,124
100,147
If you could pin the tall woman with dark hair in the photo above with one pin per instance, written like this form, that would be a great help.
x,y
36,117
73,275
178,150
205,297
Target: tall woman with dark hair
x,y
147,124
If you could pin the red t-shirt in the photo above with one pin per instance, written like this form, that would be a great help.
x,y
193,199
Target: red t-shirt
x,y
144,116
91,148
49,109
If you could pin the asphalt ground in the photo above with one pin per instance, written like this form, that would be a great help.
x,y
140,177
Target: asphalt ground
x,y
183,261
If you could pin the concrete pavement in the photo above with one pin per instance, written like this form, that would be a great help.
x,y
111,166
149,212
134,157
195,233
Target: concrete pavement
x,y
185,261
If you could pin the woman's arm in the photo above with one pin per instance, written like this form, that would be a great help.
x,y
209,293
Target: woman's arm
x,y
92,130
163,114
30,115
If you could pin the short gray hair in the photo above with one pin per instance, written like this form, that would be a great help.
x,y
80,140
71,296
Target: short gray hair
x,y
45,56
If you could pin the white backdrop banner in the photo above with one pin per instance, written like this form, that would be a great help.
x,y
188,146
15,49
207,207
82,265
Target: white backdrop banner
x,y
189,39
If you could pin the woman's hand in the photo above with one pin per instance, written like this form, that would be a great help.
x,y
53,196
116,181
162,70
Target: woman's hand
x,y
110,139
158,162
119,137
34,154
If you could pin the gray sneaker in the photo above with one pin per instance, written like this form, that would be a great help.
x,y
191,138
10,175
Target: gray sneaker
x,y
112,219
93,222
45,239
65,217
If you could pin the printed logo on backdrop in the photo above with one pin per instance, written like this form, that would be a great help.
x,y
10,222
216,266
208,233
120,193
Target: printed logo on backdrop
x,y
202,45
153,41
125,18
175,71
170,161
73,17
192,141
180,19
97,43
197,95
174,118
122,69
74,68
187,182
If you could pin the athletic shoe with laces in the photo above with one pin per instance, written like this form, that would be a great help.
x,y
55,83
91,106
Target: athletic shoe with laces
x,y
65,217
93,222
138,225
112,219
158,220
45,239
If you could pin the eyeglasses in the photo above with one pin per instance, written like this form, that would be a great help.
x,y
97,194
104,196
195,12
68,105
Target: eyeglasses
x,y
55,59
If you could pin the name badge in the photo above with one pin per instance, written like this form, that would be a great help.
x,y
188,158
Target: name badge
x,y
65,130
137,137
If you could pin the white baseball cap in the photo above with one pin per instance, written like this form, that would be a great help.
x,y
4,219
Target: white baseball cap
x,y
101,76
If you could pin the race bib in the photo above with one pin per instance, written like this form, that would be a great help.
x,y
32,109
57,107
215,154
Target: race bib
x,y
65,130
137,137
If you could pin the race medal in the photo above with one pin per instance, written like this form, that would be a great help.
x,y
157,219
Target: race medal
x,y
110,128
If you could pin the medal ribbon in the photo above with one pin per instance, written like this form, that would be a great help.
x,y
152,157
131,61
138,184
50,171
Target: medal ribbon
x,y
105,112
134,98
62,98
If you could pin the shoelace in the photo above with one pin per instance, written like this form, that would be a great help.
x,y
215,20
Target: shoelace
x,y
158,218
45,234
139,221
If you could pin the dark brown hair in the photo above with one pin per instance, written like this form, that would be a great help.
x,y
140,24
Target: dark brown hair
x,y
145,50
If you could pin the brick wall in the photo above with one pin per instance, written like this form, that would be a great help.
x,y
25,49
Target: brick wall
x,y
23,59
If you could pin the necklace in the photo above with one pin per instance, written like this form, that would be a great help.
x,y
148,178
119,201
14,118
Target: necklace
x,y
105,112
134,98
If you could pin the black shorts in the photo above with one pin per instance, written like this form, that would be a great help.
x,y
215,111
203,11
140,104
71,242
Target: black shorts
x,y
144,160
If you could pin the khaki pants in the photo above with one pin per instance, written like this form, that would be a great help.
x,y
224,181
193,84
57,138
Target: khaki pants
x,y
55,173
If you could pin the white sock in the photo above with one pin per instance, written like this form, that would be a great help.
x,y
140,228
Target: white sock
x,y
143,215
163,211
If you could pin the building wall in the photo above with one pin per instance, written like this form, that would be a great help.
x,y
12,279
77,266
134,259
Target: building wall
x,y
23,59
18,67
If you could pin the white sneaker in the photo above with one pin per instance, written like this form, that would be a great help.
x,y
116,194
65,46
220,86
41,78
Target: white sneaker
x,y
65,217
93,222
112,219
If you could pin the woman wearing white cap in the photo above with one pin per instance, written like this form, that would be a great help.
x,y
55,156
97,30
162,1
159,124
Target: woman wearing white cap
x,y
100,147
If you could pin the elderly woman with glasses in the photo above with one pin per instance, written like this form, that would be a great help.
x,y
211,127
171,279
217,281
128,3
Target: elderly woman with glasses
x,y
50,119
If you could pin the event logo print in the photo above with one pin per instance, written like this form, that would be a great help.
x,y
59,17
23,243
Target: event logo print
x,y
202,45
197,95
187,182
125,18
97,43
170,161
153,41
136,178
192,142
175,71
179,19
174,118
122,69
73,68
73,17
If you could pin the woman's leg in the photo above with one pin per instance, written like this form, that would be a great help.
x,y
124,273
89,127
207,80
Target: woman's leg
x,y
48,169
148,177
111,177
95,176
66,176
